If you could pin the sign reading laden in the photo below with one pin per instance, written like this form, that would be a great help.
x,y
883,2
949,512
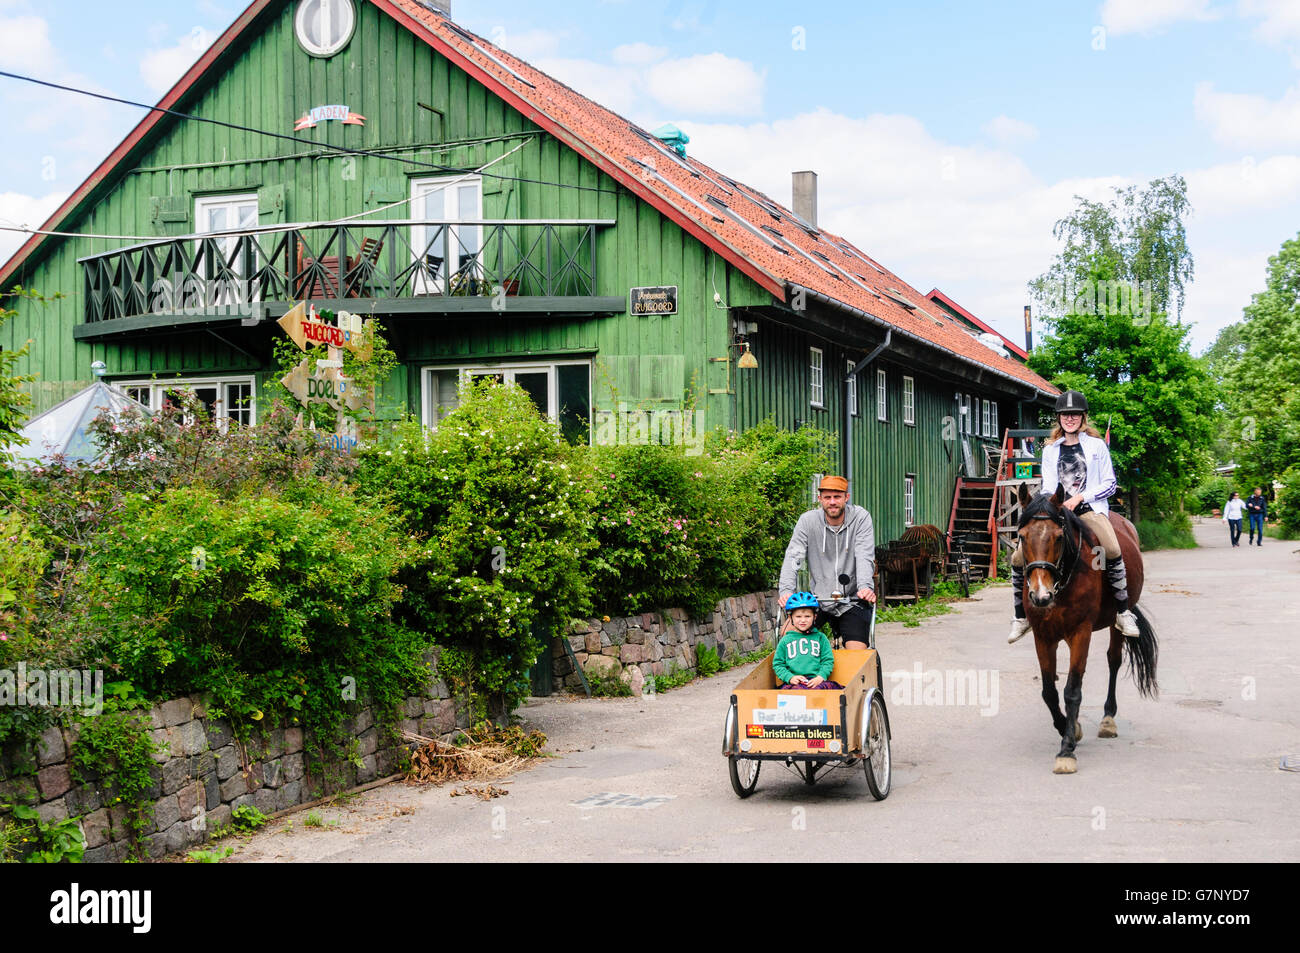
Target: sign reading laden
x,y
306,330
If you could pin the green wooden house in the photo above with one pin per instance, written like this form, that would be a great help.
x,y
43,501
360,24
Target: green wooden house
x,y
372,156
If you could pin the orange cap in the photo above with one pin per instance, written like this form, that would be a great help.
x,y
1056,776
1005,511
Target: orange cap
x,y
834,483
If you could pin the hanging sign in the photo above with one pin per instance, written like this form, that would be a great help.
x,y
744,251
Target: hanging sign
x,y
661,300
325,113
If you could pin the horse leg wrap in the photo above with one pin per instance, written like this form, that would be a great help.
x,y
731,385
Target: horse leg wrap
x,y
1118,577
1018,590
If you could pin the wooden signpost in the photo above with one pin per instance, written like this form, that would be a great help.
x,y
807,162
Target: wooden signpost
x,y
316,380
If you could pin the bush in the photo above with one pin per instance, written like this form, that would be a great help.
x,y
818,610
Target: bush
x,y
271,602
1170,533
676,530
498,495
1210,495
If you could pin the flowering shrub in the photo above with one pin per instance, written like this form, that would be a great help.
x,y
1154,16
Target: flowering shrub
x,y
495,495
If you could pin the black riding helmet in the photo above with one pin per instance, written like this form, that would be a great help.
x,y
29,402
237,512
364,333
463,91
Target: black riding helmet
x,y
1072,402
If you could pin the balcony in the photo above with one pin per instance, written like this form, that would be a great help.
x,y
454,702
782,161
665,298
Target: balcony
x,y
408,268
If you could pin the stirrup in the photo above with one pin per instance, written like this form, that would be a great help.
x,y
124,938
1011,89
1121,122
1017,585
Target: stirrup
x,y
1127,623
1019,629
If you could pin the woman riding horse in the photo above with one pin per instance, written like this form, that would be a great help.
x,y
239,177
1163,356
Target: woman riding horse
x,y
1077,459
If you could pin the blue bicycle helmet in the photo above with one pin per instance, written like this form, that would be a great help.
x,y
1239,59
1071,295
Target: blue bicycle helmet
x,y
802,600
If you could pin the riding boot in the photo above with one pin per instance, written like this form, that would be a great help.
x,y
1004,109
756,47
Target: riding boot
x,y
1019,625
1125,620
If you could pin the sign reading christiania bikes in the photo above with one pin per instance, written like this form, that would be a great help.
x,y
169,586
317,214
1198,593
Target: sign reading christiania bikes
x,y
321,380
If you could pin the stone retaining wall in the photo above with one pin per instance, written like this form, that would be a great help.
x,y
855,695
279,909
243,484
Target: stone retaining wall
x,y
635,648
205,772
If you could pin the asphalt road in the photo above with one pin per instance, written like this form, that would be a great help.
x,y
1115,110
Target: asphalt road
x,y
1193,776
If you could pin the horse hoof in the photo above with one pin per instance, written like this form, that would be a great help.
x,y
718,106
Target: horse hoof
x,y
1065,766
1108,728
1078,732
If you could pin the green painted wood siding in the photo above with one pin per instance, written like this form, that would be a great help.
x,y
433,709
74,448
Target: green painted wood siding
x,y
884,452
390,77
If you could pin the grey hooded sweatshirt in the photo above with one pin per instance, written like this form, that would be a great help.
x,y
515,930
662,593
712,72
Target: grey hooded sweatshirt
x,y
849,548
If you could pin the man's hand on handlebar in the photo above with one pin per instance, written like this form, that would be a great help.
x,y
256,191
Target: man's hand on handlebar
x,y
868,595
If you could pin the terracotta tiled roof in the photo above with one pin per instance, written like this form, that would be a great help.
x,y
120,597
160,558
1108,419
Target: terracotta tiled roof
x,y
760,236
937,295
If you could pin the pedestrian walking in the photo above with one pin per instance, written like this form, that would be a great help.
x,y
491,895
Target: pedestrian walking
x,y
1257,512
1232,511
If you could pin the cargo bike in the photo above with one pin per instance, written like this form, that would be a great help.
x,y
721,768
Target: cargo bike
x,y
811,731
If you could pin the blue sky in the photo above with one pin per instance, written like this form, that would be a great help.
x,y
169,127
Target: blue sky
x,y
948,136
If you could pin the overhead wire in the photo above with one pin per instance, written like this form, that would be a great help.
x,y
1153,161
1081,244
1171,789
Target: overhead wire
x,y
344,150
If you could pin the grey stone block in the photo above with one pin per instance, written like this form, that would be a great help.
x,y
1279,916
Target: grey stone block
x,y
233,787
218,732
218,816
50,747
290,795
226,762
154,790
368,770
188,739
291,767
162,742
414,707
175,773
56,810
83,800
189,797
178,711
96,828
368,741
241,801
54,781
271,773
166,812
292,740
211,792
264,800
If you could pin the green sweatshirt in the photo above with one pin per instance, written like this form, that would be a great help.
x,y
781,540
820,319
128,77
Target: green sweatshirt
x,y
800,653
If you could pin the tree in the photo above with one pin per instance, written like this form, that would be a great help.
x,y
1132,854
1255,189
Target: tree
x,y
1258,360
1106,298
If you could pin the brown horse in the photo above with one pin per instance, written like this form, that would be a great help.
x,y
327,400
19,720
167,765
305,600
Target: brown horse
x,y
1067,598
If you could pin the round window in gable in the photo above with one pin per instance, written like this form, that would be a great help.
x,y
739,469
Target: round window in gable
x,y
324,26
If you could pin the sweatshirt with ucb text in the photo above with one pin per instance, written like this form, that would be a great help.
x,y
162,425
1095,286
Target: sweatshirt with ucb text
x,y
803,653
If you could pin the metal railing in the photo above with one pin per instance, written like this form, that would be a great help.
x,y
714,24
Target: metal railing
x,y
405,259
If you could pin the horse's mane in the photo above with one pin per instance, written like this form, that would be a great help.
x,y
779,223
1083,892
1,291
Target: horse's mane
x,y
1046,503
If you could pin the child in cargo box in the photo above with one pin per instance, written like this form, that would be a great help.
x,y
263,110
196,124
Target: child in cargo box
x,y
803,657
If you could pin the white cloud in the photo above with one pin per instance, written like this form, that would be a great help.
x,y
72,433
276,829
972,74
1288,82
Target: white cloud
x,y
25,44
708,84
1009,132
613,87
1142,16
530,44
1235,187
1246,121
161,68
638,54
28,210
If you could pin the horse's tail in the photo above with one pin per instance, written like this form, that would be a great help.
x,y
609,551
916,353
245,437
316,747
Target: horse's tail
x,y
1143,652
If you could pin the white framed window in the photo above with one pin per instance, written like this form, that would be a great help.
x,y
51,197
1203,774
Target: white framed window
x,y
909,499
909,401
812,490
448,254
323,27
815,380
853,389
228,279
993,416
560,389
882,395
972,415
985,421
226,398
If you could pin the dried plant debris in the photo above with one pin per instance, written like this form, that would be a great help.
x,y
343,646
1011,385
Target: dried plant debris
x,y
483,794
484,754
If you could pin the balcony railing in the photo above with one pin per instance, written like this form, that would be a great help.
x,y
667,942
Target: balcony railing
x,y
406,266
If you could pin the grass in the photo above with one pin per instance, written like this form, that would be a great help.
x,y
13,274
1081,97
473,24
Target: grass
x,y
1277,531
664,683
1159,534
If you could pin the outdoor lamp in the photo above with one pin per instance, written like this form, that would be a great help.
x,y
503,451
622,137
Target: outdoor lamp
x,y
747,360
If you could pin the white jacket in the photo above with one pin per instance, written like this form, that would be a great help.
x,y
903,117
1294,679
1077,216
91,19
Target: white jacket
x,y
1100,484
1233,508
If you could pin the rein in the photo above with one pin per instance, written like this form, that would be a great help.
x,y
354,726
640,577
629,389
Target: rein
x,y
1062,571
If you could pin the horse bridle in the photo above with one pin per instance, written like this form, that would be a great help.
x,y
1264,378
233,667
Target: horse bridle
x,y
1063,570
